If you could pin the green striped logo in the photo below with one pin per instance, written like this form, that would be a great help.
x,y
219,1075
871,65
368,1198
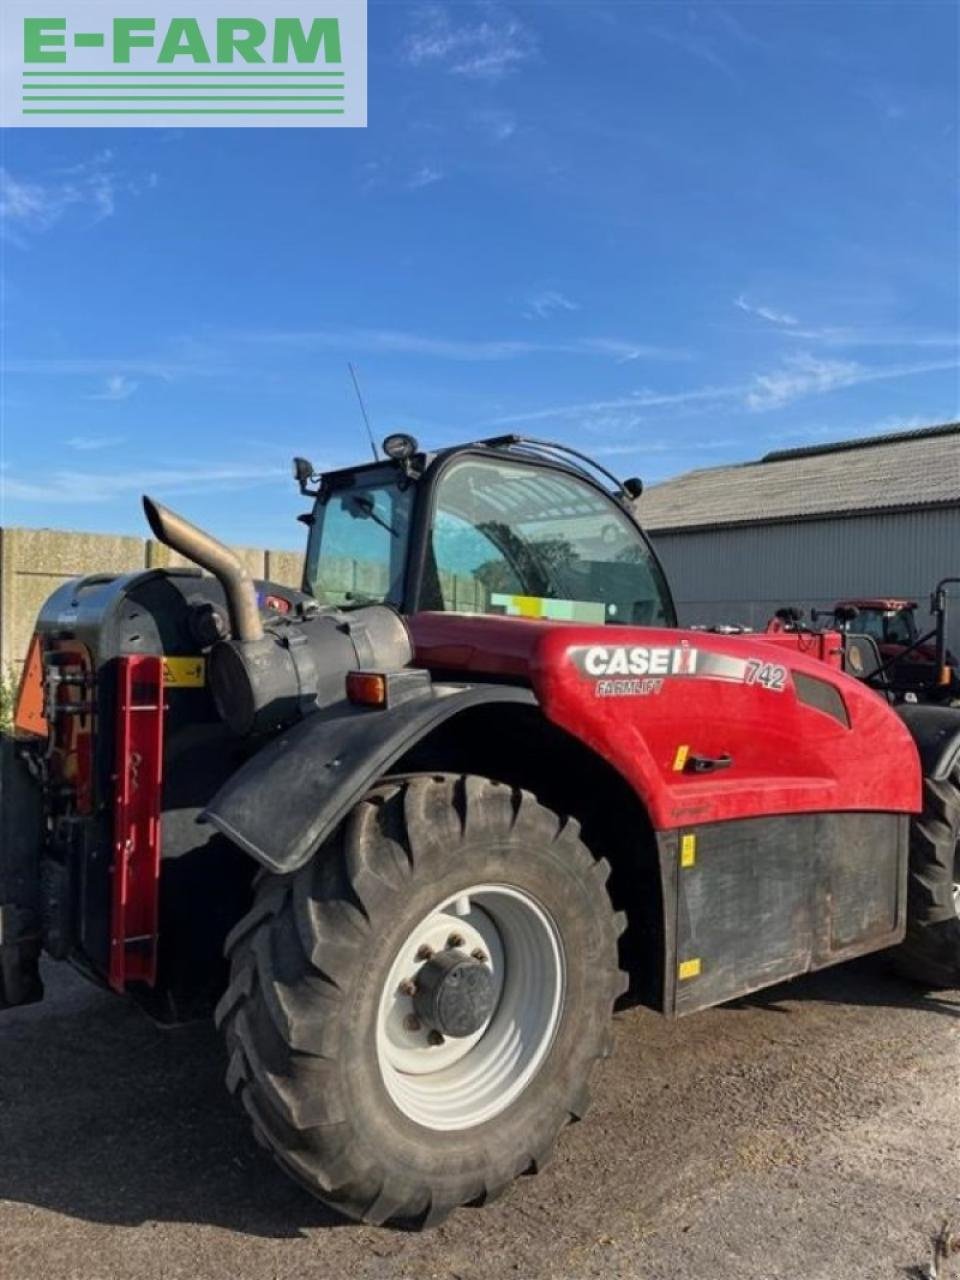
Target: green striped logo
x,y
91,67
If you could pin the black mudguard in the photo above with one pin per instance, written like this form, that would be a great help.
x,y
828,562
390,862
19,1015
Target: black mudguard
x,y
283,803
936,731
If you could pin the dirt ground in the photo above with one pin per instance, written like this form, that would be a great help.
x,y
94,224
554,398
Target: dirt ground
x,y
811,1132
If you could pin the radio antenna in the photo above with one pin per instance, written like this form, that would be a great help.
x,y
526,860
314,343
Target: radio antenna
x,y
363,410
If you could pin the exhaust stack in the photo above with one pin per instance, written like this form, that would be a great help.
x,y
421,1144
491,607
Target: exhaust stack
x,y
179,534
262,679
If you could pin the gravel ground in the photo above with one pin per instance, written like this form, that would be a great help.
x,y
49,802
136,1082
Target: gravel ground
x,y
810,1132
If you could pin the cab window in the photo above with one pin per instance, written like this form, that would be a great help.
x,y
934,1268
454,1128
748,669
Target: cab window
x,y
358,543
537,542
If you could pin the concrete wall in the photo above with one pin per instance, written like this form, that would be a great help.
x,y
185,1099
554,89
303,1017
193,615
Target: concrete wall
x,y
33,562
741,575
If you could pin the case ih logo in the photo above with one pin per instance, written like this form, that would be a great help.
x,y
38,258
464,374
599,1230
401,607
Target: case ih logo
x,y
635,660
97,63
600,661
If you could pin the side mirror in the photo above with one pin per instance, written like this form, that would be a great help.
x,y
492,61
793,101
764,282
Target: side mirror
x,y
303,473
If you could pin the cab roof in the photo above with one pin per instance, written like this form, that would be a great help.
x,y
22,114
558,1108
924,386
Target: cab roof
x,y
883,603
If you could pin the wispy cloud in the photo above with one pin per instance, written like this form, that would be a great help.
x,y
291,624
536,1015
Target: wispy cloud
x,y
805,374
397,341
93,487
799,376
548,302
847,335
624,351
425,176
696,46
853,336
766,313
32,205
117,387
90,444
618,404
488,48
108,367
496,124
733,27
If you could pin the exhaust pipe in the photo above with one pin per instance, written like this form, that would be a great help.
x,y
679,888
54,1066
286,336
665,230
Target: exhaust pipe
x,y
179,534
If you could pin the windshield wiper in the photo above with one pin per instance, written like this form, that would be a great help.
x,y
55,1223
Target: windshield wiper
x,y
363,508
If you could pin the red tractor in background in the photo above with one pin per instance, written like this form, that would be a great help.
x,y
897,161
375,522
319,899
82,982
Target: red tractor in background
x,y
915,663
415,827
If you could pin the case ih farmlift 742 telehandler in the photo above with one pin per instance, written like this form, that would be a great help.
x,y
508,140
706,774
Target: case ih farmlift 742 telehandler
x,y
433,806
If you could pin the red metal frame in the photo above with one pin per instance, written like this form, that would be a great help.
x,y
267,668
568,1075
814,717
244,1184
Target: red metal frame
x,y
136,821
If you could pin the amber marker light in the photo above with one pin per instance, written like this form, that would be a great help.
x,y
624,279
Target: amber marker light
x,y
367,689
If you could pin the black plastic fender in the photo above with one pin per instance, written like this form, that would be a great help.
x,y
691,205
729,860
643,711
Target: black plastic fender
x,y
936,731
284,801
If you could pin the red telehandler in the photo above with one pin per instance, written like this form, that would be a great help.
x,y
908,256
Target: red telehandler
x,y
410,827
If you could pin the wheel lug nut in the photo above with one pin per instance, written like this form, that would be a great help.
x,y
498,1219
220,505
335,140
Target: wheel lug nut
x,y
408,987
411,1022
435,1037
425,952
479,954
455,940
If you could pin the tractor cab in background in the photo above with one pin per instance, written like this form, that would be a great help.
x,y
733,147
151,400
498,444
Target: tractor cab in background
x,y
892,623
919,666
883,645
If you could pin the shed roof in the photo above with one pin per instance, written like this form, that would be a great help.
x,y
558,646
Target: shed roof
x,y
906,469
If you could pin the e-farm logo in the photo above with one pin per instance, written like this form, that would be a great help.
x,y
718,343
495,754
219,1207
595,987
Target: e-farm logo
x,y
91,62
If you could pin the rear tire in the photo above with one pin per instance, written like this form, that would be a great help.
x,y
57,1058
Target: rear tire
x,y
931,952
338,1075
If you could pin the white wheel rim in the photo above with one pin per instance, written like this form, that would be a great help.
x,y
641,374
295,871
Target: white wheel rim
x,y
466,1080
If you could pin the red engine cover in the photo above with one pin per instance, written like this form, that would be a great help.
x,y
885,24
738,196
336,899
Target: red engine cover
x,y
651,701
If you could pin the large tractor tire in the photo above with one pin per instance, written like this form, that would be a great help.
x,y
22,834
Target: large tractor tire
x,y
412,1018
931,952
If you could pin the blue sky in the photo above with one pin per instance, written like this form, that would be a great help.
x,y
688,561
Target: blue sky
x,y
675,235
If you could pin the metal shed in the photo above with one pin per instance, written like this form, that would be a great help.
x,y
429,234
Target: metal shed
x,y
870,517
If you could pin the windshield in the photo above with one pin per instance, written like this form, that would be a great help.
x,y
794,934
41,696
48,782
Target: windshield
x,y
888,626
901,628
532,542
358,542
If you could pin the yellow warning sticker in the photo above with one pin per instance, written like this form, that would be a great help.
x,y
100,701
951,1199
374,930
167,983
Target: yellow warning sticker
x,y
688,850
184,673
688,969
680,759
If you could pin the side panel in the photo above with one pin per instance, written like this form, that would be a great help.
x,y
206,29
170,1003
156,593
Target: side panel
x,y
749,713
756,902
705,728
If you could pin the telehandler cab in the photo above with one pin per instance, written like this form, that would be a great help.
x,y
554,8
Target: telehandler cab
x,y
432,806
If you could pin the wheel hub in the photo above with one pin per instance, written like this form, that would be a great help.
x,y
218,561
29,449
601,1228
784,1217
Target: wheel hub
x,y
470,1006
455,994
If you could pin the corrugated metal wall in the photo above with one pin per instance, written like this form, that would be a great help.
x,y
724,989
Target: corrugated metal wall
x,y
743,574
